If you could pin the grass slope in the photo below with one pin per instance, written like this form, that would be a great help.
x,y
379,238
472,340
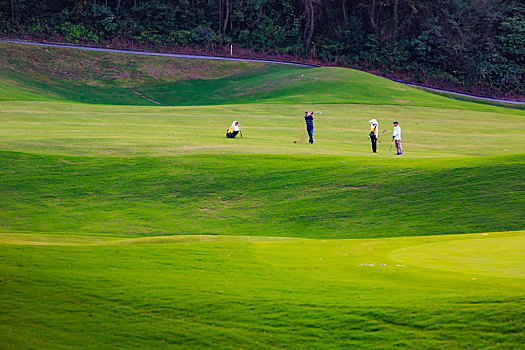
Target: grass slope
x,y
328,197
110,78
98,77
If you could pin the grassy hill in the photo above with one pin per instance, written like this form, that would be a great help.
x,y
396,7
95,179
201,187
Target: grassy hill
x,y
123,79
129,224
297,196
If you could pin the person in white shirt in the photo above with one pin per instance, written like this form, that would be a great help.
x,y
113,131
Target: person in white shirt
x,y
233,130
396,136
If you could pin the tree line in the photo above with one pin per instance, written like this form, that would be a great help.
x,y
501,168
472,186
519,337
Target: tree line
x,y
477,44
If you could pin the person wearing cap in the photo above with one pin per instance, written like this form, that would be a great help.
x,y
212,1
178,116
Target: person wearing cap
x,y
396,136
374,127
233,130
309,119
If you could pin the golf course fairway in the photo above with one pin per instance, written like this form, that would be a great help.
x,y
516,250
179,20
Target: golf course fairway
x,y
129,221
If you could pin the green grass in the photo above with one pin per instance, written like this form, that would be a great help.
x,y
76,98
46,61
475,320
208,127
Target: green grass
x,y
245,293
96,77
282,195
342,129
109,78
125,224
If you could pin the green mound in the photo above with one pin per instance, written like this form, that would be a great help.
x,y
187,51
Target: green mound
x,y
299,196
101,77
123,79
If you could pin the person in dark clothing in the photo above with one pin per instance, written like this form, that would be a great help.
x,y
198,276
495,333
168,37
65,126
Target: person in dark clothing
x,y
309,119
374,128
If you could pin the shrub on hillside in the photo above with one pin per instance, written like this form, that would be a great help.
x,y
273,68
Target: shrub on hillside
x,y
75,33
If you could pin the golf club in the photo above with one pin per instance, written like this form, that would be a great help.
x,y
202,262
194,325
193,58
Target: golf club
x,y
382,132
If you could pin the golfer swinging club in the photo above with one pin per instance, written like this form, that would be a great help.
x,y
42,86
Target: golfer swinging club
x,y
374,127
309,119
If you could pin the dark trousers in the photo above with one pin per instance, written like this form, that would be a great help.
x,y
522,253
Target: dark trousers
x,y
310,131
374,143
231,135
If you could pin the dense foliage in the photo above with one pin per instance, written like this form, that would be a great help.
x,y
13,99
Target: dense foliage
x,y
475,43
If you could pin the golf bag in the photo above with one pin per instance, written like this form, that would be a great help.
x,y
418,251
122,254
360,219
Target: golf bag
x,y
231,134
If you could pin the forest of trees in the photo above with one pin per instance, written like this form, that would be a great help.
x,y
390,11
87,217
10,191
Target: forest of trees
x,y
477,45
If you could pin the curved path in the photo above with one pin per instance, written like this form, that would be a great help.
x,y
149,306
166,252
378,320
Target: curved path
x,y
165,54
459,93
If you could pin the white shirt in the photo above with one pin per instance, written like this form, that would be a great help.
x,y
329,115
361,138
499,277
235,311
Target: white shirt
x,y
397,133
235,126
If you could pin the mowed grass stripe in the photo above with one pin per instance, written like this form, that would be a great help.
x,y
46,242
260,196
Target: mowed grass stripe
x,y
496,254
79,129
22,238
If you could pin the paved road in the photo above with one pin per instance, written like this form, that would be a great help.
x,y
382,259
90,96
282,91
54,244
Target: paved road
x,y
150,53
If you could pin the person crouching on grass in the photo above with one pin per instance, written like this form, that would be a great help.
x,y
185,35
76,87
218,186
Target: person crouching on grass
x,y
374,127
233,130
309,119
396,136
